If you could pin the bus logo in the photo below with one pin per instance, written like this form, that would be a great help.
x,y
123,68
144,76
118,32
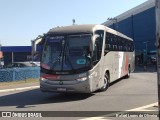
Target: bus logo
x,y
61,82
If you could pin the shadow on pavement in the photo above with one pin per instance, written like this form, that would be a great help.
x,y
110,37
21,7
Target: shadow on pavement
x,y
34,97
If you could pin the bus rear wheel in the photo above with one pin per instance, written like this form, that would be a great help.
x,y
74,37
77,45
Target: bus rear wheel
x,y
128,73
106,83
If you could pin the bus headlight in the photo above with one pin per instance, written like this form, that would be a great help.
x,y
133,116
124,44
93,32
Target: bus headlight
x,y
43,79
82,79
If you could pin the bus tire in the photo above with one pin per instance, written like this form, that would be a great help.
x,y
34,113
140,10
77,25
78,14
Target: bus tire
x,y
106,82
128,72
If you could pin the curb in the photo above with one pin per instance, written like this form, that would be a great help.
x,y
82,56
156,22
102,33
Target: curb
x,y
19,89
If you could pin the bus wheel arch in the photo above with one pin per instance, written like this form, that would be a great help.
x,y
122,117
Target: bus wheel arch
x,y
106,81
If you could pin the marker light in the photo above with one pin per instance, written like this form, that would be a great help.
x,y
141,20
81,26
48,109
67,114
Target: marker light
x,y
82,79
43,79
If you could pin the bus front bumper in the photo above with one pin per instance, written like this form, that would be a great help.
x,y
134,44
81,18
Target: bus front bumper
x,y
65,86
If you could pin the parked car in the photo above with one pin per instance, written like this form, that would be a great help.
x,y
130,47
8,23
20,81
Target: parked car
x,y
36,63
21,64
152,59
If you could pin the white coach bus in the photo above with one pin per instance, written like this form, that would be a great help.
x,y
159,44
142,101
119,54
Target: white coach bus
x,y
84,58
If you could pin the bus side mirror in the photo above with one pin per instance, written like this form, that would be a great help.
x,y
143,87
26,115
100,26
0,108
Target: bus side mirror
x,y
34,44
92,43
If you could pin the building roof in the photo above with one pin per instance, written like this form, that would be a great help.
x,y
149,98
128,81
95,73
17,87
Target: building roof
x,y
136,10
16,48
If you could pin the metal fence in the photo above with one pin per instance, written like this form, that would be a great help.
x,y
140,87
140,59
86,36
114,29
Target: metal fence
x,y
15,74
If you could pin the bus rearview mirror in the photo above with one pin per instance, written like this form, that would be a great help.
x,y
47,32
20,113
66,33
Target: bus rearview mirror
x,y
34,44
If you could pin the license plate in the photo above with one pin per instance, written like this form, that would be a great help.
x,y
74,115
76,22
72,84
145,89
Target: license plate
x,y
61,89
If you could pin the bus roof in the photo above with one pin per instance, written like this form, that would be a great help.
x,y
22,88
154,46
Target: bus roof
x,y
86,28
73,29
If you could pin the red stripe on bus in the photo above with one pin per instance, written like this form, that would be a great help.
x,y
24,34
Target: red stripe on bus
x,y
126,64
50,76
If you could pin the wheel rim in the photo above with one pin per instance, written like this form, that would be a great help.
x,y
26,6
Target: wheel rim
x,y
105,81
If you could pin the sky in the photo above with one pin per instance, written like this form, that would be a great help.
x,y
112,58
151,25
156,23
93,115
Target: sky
x,y
23,20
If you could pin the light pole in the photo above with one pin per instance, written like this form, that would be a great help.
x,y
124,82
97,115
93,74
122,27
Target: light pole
x,y
146,52
158,48
115,20
146,42
32,54
0,55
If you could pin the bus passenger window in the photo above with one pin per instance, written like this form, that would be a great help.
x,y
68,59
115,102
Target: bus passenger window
x,y
109,41
98,46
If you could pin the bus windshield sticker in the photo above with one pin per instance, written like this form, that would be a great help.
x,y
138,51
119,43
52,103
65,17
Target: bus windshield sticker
x,y
55,39
81,61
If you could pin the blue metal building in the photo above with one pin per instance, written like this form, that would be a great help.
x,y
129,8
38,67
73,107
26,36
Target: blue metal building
x,y
16,53
138,23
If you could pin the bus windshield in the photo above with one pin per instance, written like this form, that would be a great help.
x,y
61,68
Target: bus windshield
x,y
65,53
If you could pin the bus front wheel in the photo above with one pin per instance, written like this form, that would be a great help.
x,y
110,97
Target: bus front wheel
x,y
106,83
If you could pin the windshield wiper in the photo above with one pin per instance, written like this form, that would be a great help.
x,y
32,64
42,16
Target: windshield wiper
x,y
59,58
55,62
67,57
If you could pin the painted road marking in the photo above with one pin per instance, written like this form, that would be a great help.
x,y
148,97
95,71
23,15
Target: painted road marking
x,y
19,89
95,118
142,108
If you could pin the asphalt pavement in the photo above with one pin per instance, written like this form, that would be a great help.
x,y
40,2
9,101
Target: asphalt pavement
x,y
138,93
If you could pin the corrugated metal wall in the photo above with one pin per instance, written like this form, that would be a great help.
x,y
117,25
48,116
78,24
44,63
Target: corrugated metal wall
x,y
17,57
141,27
